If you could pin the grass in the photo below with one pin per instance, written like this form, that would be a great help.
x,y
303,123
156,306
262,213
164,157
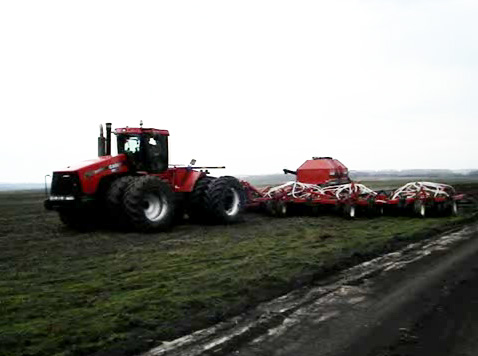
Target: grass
x,y
111,293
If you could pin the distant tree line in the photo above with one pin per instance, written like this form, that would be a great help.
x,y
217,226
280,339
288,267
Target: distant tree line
x,y
413,173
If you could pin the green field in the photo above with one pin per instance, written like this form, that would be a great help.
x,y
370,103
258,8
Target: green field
x,y
107,292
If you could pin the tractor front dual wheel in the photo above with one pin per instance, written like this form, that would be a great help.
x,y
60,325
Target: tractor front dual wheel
x,y
79,219
72,218
149,204
114,201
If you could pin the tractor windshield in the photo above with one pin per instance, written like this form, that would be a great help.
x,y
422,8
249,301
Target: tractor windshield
x,y
145,152
132,144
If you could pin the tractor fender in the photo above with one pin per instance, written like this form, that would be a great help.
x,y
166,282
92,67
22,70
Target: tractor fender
x,y
182,179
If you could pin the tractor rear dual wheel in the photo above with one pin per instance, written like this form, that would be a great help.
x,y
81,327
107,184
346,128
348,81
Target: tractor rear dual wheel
x,y
216,200
224,200
197,202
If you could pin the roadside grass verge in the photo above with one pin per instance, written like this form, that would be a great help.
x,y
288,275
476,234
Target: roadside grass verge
x,y
110,293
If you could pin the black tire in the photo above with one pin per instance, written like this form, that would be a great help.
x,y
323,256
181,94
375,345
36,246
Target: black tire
x,y
114,200
448,208
225,200
373,209
280,208
77,219
349,210
149,204
269,207
179,208
420,208
277,208
197,210
454,208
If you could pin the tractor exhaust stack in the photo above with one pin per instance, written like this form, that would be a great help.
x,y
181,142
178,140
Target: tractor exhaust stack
x,y
108,139
101,143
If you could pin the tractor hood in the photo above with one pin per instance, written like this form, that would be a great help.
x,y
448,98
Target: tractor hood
x,y
96,163
90,172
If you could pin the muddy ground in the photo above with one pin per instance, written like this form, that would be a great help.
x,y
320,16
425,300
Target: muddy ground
x,y
113,293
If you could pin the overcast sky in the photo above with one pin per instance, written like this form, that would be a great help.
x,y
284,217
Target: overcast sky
x,y
254,85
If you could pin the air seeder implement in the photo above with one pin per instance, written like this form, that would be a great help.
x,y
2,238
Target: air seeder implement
x,y
324,182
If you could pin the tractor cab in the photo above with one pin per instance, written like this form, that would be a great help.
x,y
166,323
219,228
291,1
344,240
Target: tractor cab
x,y
145,149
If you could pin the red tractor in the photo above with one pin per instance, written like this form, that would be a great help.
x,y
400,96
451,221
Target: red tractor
x,y
139,188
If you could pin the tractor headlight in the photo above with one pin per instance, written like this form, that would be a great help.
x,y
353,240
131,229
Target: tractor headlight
x,y
62,197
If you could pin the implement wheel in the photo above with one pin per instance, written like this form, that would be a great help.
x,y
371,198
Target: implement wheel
x,y
420,208
454,208
224,200
349,210
148,203
280,208
449,207
277,208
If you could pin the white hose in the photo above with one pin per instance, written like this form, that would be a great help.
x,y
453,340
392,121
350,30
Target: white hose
x,y
411,189
299,190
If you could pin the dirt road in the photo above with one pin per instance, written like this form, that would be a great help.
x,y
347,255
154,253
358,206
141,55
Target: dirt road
x,y
426,307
